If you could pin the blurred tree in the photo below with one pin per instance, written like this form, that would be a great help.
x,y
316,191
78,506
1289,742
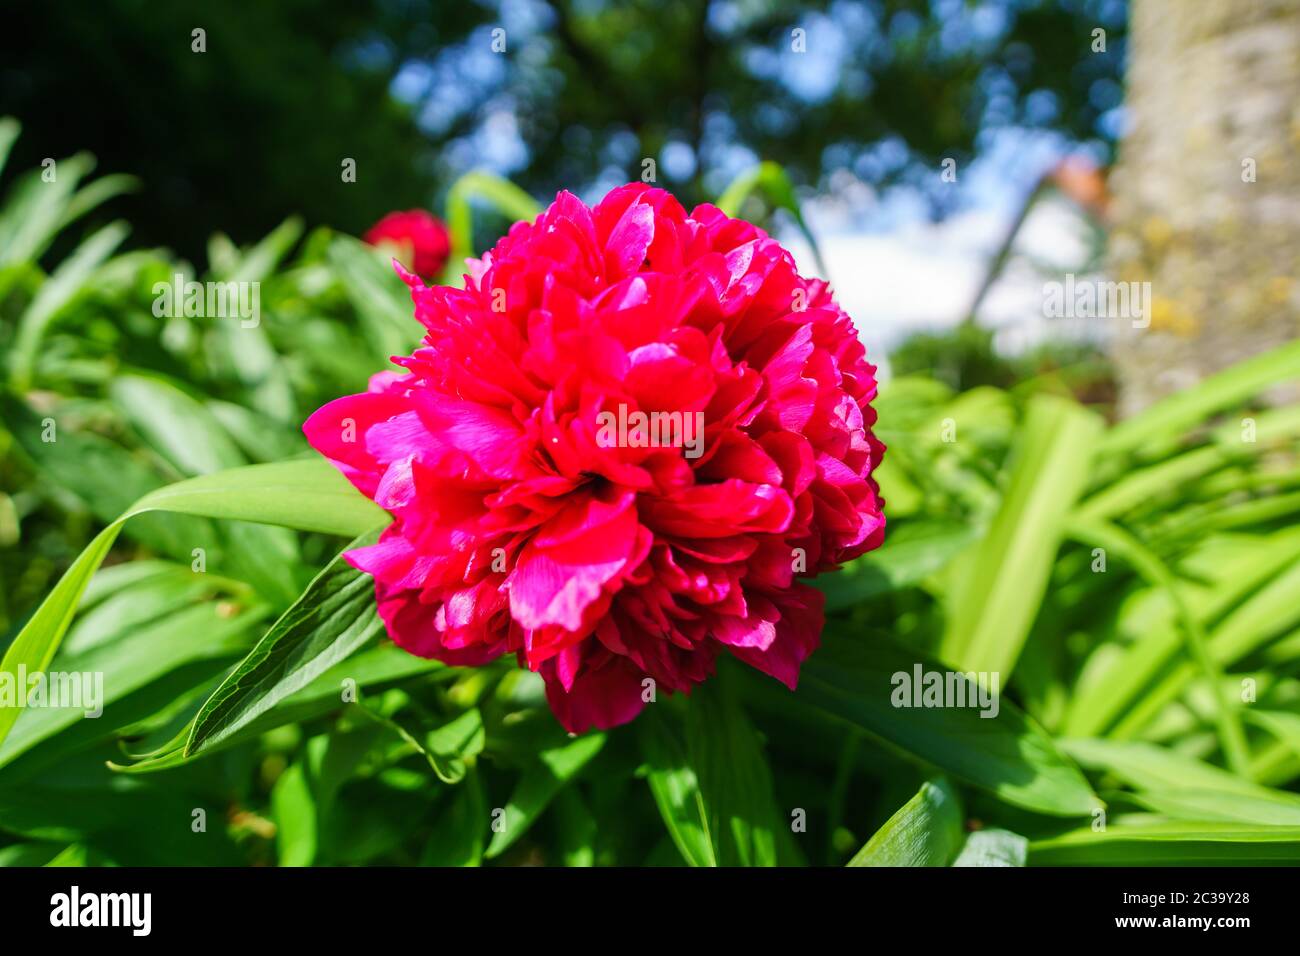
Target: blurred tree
x,y
567,93
1207,190
236,137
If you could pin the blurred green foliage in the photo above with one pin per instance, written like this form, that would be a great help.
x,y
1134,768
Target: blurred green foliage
x,y
965,357
1132,585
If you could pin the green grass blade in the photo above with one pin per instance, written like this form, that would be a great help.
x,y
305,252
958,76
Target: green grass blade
x,y
1127,548
1001,581
1142,840
1174,415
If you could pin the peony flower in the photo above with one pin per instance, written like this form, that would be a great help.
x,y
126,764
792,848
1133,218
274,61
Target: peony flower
x,y
419,238
621,451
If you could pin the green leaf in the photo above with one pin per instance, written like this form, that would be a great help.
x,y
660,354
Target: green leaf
x,y
1008,754
186,433
309,495
176,425
993,847
577,828
304,795
110,813
95,194
500,194
1269,613
675,790
71,276
34,210
1187,804
381,300
1150,840
370,669
332,619
102,475
1274,429
294,808
30,854
456,742
1232,386
125,602
1000,583
131,663
905,559
540,782
1138,486
9,130
925,831
1097,704
457,836
1185,782
1127,548
259,437
448,750
1282,724
770,180
259,262
735,783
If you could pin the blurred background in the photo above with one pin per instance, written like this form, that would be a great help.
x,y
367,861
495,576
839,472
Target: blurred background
x,y
946,164
915,131
861,102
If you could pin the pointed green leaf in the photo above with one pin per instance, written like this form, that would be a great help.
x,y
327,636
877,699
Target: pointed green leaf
x,y
925,831
676,791
735,783
309,495
1007,754
1000,582
332,619
540,782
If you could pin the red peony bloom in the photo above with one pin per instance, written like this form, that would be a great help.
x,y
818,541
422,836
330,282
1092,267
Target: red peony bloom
x,y
618,451
420,239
